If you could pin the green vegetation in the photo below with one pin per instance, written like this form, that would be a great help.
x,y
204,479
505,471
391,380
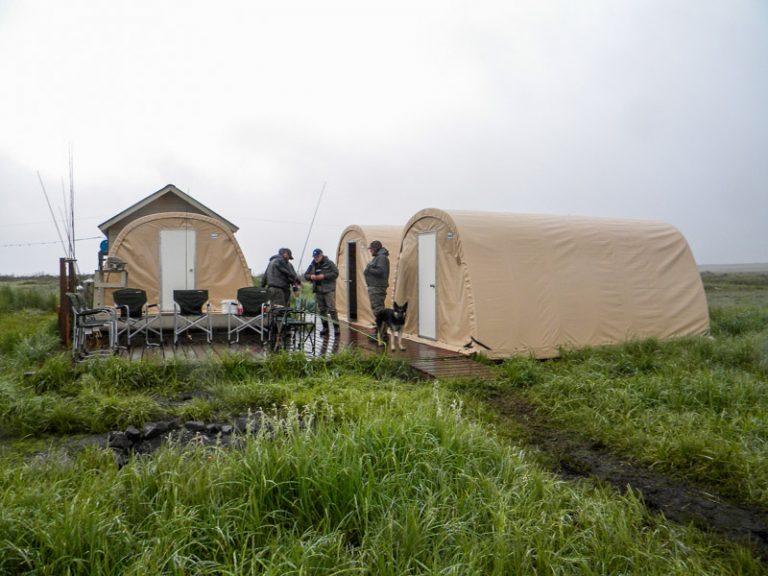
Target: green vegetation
x,y
28,294
367,471
696,408
370,477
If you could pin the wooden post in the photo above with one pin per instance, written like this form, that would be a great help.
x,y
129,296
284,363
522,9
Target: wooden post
x,y
67,282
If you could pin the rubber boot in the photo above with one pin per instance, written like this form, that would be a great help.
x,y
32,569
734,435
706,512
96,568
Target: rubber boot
x,y
336,327
324,331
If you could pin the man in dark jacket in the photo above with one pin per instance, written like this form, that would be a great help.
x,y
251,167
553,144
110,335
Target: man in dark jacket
x,y
322,272
377,276
280,277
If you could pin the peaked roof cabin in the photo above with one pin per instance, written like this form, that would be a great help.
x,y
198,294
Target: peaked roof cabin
x,y
167,199
170,241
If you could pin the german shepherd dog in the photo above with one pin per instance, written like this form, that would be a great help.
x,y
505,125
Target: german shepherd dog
x,y
391,321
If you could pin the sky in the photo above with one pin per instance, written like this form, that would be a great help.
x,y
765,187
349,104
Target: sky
x,y
641,109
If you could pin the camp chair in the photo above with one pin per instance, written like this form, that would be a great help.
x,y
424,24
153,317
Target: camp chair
x,y
254,316
133,316
291,328
191,310
87,326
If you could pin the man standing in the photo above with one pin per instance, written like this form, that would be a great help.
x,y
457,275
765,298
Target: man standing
x,y
377,276
280,277
322,272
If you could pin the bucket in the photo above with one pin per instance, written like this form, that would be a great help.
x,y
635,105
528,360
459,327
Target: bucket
x,y
230,307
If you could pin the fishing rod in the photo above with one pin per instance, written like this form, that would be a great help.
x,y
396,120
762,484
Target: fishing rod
x,y
311,224
55,222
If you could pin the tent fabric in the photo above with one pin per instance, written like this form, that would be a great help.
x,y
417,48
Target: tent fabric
x,y
522,284
362,236
220,267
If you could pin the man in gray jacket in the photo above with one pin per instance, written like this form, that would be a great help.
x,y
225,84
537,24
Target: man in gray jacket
x,y
322,272
280,277
377,276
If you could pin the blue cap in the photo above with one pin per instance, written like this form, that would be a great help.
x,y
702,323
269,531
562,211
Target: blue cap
x,y
317,252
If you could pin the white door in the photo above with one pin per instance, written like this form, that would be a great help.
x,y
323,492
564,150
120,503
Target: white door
x,y
427,285
177,264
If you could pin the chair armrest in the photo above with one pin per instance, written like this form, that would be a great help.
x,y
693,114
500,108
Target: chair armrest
x,y
94,311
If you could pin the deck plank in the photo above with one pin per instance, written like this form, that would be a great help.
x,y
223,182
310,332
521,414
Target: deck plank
x,y
430,361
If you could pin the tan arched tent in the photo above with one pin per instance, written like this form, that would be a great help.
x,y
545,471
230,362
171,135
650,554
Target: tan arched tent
x,y
181,250
352,256
515,284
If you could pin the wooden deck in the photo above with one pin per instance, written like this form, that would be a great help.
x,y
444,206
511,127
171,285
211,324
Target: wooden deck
x,y
430,361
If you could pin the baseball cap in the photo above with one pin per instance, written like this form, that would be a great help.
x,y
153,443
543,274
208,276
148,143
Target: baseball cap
x,y
317,252
286,251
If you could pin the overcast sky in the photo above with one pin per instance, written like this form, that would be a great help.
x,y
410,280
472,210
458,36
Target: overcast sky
x,y
649,109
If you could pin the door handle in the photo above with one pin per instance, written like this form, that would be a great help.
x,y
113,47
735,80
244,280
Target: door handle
x,y
431,285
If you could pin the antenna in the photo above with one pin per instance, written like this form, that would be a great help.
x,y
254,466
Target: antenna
x,y
55,223
72,200
310,225
64,215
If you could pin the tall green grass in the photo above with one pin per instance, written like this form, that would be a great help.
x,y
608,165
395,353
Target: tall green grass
x,y
28,329
55,396
408,486
696,408
34,298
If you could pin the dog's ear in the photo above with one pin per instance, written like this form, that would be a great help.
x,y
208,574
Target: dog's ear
x,y
405,306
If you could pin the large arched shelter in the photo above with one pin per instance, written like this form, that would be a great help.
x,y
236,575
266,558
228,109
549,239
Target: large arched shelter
x,y
519,284
351,258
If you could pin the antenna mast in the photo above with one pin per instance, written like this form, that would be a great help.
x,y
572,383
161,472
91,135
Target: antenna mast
x,y
301,259
72,203
55,222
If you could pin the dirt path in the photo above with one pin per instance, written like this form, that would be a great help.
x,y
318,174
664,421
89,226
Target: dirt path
x,y
576,457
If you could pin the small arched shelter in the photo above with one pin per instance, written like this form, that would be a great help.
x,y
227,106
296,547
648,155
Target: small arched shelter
x,y
169,241
351,258
516,284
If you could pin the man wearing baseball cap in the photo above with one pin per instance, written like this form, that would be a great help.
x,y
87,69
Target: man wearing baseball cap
x,y
322,272
279,277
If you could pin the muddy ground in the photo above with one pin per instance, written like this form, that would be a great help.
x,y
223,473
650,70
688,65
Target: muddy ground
x,y
573,457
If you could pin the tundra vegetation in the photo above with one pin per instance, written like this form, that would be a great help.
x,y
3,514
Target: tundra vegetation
x,y
366,470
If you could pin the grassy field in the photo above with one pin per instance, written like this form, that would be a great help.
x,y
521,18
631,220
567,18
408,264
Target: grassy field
x,y
366,471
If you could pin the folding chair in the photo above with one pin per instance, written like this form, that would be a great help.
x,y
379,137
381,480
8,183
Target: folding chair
x,y
133,316
280,332
87,325
304,325
290,329
255,315
191,310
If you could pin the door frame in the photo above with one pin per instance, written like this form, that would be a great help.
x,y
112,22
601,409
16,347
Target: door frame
x,y
426,256
352,280
178,263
